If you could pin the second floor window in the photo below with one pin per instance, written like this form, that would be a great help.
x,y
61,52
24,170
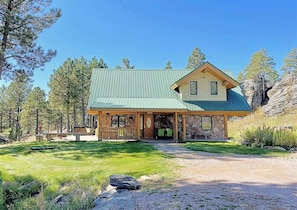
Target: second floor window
x,y
193,88
214,88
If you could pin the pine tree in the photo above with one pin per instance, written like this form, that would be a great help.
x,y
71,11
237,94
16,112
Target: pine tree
x,y
261,64
240,77
61,89
21,23
32,110
3,109
15,95
290,62
168,65
69,89
196,59
125,64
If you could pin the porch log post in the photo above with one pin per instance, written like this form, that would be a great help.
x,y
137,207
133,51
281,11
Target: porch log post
x,y
99,126
184,127
175,124
226,126
138,125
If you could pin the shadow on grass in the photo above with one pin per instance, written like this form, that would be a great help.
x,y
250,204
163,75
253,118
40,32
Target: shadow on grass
x,y
227,148
18,188
81,150
25,192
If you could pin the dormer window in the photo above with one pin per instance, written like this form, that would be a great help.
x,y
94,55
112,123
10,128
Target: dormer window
x,y
214,88
193,88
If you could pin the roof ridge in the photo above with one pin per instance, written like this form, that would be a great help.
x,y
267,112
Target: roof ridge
x,y
143,69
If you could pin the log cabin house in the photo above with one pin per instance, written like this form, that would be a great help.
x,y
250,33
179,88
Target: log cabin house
x,y
165,104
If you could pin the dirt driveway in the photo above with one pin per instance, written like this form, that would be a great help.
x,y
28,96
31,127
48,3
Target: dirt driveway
x,y
212,181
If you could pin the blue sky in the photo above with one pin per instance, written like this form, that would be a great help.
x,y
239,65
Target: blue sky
x,y
151,32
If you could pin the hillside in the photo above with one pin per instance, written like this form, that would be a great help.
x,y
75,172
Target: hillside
x,y
259,119
273,105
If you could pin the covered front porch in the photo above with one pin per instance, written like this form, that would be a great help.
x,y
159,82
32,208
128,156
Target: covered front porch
x,y
161,125
137,125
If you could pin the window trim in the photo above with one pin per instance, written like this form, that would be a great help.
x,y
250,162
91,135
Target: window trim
x,y
190,89
204,126
118,121
217,88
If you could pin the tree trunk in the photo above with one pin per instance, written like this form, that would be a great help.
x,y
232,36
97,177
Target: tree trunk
x,y
7,18
83,111
1,130
74,116
68,117
61,123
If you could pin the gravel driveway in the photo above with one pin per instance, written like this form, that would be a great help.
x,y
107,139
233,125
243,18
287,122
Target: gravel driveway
x,y
214,181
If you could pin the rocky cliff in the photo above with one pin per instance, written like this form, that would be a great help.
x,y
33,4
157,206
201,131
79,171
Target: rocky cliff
x,y
273,99
282,96
255,91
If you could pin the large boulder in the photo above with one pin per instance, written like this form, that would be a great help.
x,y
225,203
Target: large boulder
x,y
3,140
282,96
254,91
112,198
117,195
121,181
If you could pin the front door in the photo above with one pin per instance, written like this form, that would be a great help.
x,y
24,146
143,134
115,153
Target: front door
x,y
148,126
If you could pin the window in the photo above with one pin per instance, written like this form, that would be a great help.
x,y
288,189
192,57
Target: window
x,y
206,123
214,88
118,121
193,88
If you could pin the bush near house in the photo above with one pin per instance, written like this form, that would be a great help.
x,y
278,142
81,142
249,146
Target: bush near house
x,y
269,136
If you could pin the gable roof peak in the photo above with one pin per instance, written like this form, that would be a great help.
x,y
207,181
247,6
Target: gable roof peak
x,y
210,68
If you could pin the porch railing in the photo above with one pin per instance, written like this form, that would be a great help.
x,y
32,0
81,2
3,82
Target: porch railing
x,y
119,133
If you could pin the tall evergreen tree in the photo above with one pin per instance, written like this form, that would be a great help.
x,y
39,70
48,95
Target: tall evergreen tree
x,y
290,62
32,110
240,77
168,65
125,64
21,23
261,64
61,89
69,89
16,94
101,64
196,59
3,109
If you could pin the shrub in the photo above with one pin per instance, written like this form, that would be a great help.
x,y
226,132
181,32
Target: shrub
x,y
22,187
247,136
267,136
285,138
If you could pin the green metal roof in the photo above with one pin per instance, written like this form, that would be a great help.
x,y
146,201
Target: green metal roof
x,y
235,102
134,89
150,89
138,103
133,83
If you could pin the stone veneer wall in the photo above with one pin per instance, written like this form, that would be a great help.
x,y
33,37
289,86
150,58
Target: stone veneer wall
x,y
194,129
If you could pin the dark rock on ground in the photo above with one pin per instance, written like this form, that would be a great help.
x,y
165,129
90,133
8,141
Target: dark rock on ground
x,y
124,182
117,195
3,140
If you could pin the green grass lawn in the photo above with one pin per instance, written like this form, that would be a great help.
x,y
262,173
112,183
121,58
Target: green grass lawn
x,y
232,148
75,168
